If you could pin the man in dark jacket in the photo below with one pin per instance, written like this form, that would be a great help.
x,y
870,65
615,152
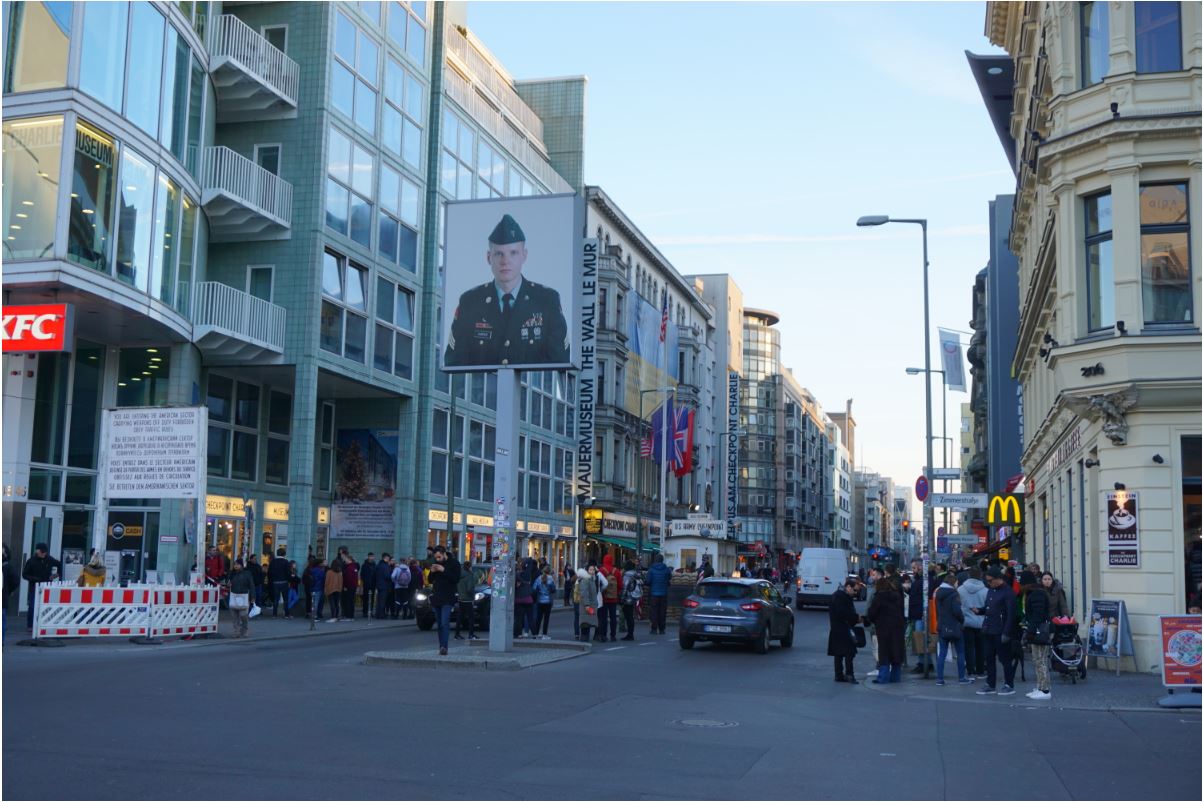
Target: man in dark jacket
x,y
278,571
998,627
367,578
658,578
41,567
444,576
384,585
914,612
950,620
241,582
840,643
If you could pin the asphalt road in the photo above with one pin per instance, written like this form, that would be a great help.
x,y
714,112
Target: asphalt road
x,y
304,719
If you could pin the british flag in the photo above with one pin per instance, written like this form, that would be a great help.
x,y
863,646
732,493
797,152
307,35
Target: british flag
x,y
680,440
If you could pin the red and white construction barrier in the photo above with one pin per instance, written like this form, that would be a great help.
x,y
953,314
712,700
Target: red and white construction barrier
x,y
184,611
75,612
67,611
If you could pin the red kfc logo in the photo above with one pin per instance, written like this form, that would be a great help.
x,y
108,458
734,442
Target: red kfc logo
x,y
45,327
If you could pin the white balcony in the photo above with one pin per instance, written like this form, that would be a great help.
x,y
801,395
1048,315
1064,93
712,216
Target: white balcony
x,y
232,327
242,200
253,80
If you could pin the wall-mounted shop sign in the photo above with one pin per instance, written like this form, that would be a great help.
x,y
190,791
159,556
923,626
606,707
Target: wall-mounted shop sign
x,y
229,506
275,511
38,327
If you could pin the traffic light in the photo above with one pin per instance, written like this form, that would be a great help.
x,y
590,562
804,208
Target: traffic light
x,y
906,525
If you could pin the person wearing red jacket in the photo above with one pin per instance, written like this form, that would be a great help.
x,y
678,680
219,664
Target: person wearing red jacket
x,y
610,596
215,566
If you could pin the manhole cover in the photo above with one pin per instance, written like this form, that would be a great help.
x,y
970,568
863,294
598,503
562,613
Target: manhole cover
x,y
706,722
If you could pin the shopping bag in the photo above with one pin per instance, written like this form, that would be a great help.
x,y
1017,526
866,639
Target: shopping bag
x,y
254,611
240,601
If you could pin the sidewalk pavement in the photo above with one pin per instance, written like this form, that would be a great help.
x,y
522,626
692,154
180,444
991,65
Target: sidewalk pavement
x,y
262,628
1101,690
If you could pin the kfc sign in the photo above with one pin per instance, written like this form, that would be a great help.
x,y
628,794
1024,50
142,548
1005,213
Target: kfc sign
x,y
45,327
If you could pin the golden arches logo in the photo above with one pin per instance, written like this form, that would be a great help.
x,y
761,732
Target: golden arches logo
x,y
1004,510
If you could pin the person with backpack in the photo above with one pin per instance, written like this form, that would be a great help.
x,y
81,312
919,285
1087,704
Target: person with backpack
x,y
632,592
611,593
465,590
545,595
384,586
523,600
973,603
950,628
402,579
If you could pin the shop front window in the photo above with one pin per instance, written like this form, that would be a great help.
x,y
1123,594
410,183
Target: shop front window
x,y
32,148
142,377
90,230
39,35
134,227
1192,517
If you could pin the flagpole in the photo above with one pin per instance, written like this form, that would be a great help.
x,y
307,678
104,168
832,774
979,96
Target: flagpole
x,y
664,461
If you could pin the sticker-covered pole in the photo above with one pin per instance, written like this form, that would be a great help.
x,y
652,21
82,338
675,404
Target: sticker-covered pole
x,y
501,611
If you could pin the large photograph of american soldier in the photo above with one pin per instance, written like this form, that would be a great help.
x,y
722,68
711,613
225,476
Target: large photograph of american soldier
x,y
510,273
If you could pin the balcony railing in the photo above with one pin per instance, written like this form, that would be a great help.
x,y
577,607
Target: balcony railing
x,y
229,178
229,311
233,39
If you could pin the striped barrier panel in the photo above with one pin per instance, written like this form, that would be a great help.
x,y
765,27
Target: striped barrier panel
x,y
75,612
188,610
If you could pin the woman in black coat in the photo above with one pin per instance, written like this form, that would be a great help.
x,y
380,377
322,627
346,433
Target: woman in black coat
x,y
840,643
885,613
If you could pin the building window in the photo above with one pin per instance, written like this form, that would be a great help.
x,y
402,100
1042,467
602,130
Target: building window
x,y
407,29
276,36
394,346
233,428
1158,36
344,307
490,171
279,432
1165,253
39,37
165,243
32,150
1100,275
538,477
145,68
102,59
401,116
353,78
137,194
349,189
268,157
1095,42
259,281
482,445
397,238
456,168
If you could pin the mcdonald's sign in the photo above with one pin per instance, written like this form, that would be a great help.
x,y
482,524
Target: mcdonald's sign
x,y
1005,509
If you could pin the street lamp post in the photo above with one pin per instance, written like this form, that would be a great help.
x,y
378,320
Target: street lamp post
x,y
928,530
639,478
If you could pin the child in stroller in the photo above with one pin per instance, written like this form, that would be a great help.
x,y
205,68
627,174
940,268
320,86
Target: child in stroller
x,y
1068,654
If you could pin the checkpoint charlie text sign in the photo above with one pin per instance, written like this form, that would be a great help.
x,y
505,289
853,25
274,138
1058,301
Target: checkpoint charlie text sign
x,y
155,452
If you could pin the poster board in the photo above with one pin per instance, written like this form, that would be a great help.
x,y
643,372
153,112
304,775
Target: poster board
x,y
1123,530
1181,651
1108,634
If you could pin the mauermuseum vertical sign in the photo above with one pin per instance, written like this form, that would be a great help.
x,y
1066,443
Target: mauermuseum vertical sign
x,y
732,445
587,378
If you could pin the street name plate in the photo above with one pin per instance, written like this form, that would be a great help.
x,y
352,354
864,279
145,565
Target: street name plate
x,y
946,473
962,540
959,499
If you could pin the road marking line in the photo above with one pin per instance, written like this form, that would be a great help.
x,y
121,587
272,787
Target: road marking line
x,y
648,643
615,648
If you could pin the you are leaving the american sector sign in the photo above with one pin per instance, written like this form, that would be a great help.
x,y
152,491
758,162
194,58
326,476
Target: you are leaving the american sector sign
x,y
154,452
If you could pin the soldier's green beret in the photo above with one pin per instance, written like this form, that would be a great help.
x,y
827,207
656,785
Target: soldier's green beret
x,y
507,231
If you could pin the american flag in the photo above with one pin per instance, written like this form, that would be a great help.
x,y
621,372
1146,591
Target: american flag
x,y
663,315
645,446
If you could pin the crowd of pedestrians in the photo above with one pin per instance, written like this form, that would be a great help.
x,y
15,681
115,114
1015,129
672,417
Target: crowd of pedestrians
x,y
982,616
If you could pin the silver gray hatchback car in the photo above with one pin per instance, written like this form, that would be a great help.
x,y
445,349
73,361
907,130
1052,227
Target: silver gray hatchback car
x,y
737,610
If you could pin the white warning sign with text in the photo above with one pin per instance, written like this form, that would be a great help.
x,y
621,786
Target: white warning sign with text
x,y
155,452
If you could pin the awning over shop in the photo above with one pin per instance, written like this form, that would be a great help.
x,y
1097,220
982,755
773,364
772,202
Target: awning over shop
x,y
986,551
625,543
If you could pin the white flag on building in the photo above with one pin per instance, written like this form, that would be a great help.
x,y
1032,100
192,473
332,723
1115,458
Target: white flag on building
x,y
954,365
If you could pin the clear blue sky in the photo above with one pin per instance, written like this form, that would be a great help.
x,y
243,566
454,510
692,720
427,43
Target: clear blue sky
x,y
748,137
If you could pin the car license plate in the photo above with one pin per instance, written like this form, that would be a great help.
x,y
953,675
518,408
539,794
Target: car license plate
x,y
716,628
810,586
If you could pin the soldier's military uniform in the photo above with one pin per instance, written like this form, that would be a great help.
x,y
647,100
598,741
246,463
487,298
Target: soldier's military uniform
x,y
522,327
533,332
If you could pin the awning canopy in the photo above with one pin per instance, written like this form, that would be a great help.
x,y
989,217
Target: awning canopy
x,y
626,543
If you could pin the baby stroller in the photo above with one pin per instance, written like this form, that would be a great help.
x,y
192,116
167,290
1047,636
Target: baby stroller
x,y
1068,654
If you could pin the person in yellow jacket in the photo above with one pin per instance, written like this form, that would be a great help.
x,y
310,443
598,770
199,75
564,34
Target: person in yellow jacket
x,y
93,575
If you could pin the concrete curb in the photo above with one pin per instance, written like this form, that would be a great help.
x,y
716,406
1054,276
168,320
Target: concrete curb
x,y
472,660
1029,705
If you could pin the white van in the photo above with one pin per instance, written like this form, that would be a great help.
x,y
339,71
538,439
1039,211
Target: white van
x,y
820,573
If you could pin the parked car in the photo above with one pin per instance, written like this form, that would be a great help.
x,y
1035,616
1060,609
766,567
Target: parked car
x,y
424,613
820,573
737,611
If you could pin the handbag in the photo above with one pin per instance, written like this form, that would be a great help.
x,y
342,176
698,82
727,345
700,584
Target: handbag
x,y
1040,635
858,636
240,601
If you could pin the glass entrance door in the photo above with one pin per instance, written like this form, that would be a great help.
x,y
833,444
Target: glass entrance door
x,y
43,524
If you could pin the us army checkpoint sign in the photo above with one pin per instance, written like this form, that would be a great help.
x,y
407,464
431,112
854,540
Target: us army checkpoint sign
x,y
511,284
